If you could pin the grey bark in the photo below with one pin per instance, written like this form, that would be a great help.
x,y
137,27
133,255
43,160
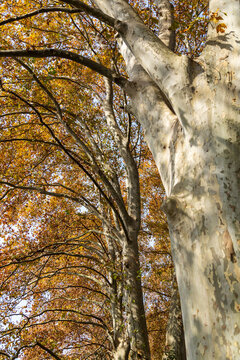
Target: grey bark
x,y
131,340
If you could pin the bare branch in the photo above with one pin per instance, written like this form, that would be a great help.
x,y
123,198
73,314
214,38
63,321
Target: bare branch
x,y
53,354
29,140
69,55
4,354
38,12
41,191
76,161
69,311
72,287
91,11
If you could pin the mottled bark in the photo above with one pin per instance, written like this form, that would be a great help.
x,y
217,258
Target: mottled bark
x,y
137,328
166,20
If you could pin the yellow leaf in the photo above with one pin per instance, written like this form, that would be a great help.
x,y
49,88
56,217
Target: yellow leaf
x,y
221,28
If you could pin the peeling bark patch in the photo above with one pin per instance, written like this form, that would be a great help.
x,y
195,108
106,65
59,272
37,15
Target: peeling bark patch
x,y
220,298
228,247
237,307
121,27
236,330
202,349
231,280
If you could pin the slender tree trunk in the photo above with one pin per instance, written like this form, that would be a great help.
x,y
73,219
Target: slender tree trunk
x,y
136,314
135,342
131,336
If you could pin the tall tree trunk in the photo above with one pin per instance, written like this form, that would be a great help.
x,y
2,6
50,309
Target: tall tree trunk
x,y
203,209
203,215
136,315
135,342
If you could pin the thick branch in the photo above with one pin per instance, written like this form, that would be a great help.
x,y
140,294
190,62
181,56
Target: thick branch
x,y
91,11
64,54
98,14
166,19
154,112
164,67
4,354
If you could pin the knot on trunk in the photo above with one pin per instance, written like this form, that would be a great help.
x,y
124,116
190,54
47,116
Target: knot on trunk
x,y
120,27
170,206
228,247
